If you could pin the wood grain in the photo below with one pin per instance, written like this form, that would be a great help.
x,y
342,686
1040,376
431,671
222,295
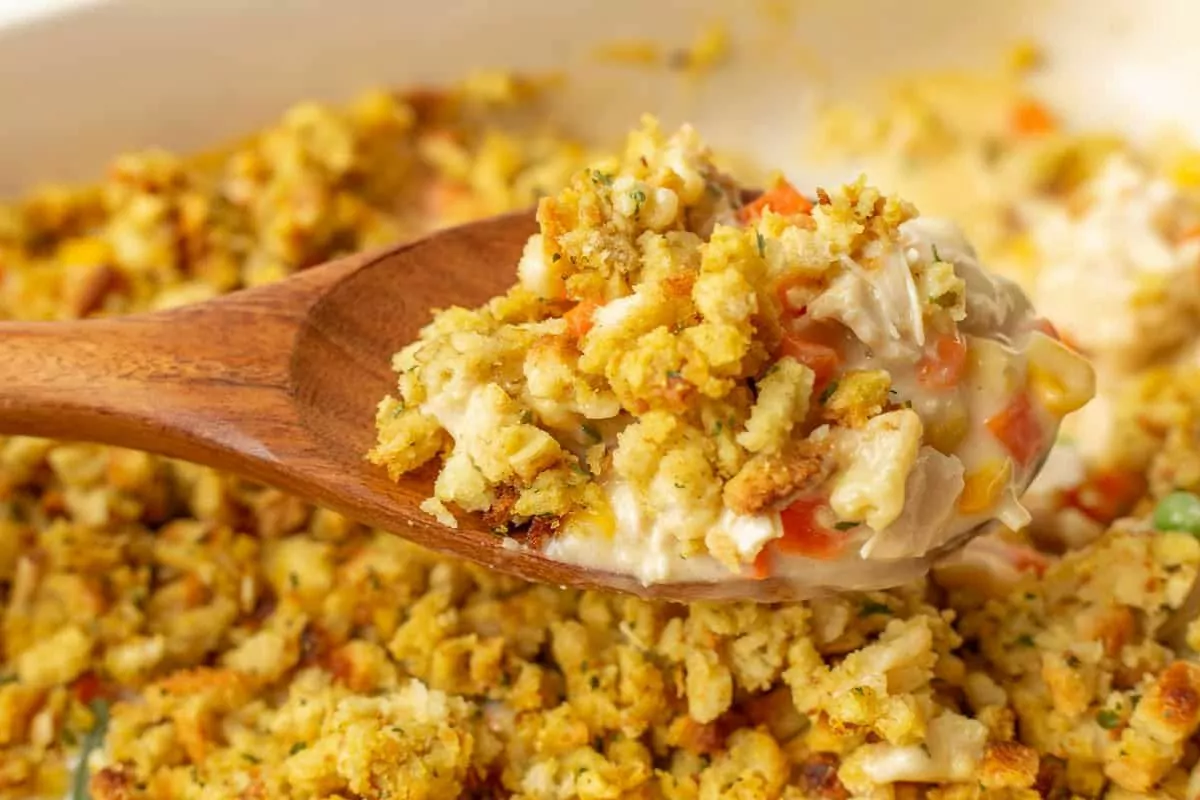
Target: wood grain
x,y
280,383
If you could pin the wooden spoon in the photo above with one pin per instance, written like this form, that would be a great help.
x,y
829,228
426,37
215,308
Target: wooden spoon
x,y
280,383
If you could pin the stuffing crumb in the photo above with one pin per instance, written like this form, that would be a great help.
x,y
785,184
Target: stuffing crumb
x,y
191,634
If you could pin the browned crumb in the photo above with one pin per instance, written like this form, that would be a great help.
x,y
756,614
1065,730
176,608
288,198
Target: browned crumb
x,y
766,479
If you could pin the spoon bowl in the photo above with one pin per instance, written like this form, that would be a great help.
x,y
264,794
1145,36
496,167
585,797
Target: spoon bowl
x,y
280,384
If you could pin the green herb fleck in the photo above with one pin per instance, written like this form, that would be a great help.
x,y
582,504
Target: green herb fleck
x,y
1024,640
1108,718
398,410
526,417
594,681
590,432
296,748
936,256
762,244
7,679
373,579
925,748
293,580
717,428
602,178
1178,511
847,525
673,374
555,258
639,199
253,759
828,391
94,738
859,691
870,609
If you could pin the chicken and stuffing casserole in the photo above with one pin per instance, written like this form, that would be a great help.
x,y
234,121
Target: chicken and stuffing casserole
x,y
684,386
173,633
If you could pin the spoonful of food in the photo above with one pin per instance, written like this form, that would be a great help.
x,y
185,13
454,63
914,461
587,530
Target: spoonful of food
x,y
682,395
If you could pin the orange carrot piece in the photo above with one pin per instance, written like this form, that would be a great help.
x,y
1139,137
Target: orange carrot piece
x,y
943,365
782,198
1031,118
580,318
804,535
821,358
1018,429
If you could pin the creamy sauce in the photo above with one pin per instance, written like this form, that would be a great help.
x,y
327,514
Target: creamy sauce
x,y
882,306
646,549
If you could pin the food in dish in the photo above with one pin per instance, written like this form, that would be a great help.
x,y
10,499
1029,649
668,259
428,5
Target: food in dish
x,y
685,386
238,642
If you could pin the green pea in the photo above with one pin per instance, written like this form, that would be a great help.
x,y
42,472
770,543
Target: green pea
x,y
1178,511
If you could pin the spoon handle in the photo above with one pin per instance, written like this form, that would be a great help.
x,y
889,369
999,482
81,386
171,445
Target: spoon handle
x,y
208,383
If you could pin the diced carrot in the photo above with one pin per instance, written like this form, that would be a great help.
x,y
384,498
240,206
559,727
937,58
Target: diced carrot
x,y
1031,118
943,364
87,687
1107,494
782,198
804,535
823,359
1018,429
580,318
1027,559
761,569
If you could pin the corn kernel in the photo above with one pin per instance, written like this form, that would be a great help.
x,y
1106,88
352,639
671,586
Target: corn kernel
x,y
982,488
1061,380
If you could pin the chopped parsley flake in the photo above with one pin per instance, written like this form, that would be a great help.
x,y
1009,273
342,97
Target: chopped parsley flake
x,y
1024,640
870,609
828,391
847,525
602,178
762,243
94,738
296,748
639,198
936,256
1108,719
